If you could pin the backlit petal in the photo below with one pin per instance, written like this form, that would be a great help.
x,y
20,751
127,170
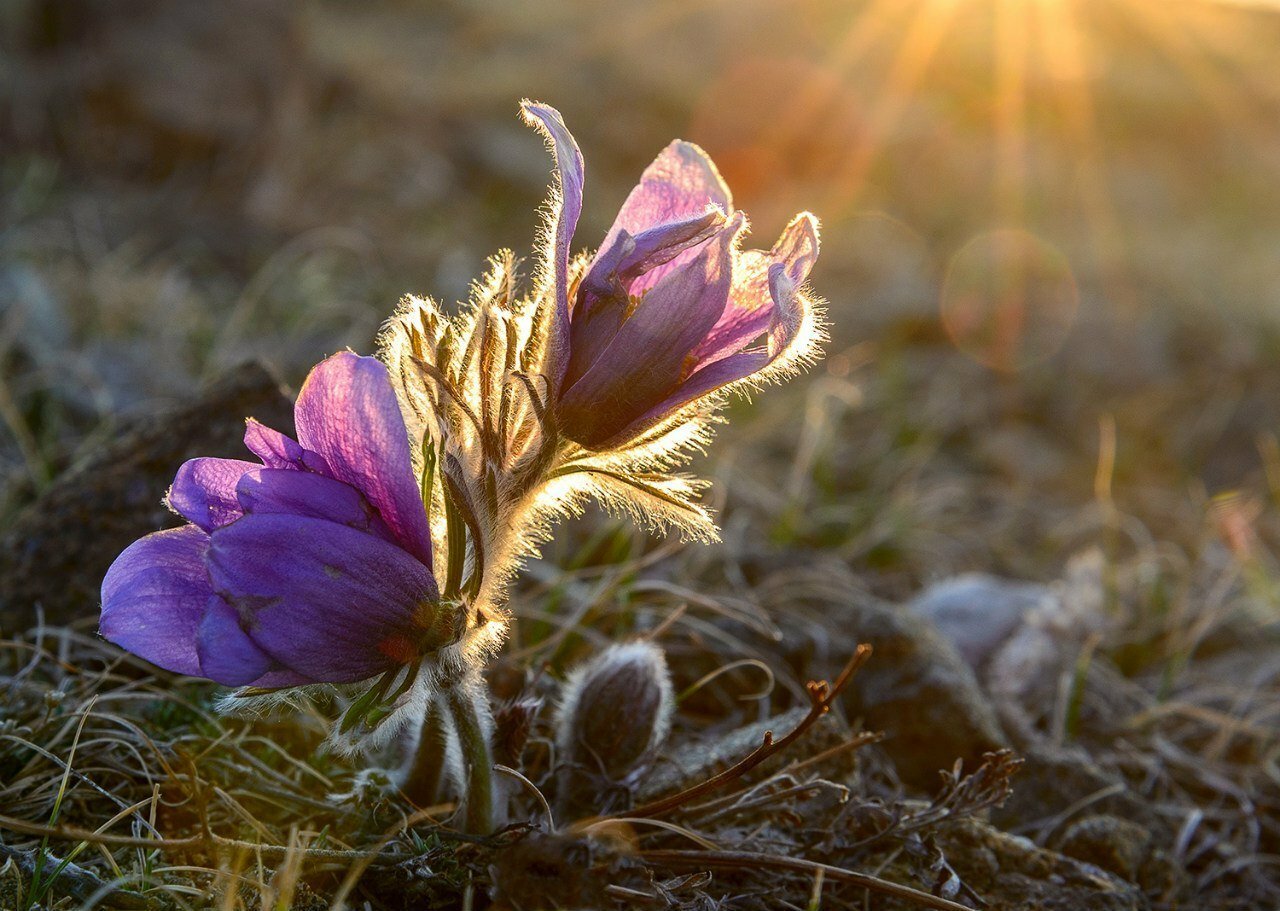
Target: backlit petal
x,y
348,413
604,294
646,358
566,209
279,451
752,308
789,315
680,184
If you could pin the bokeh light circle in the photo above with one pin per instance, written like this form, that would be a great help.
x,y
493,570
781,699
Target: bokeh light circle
x,y
1009,299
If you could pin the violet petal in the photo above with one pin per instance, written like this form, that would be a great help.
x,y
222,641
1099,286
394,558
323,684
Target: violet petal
x,y
276,490
681,183
154,596
282,678
204,491
603,299
567,208
787,317
348,413
752,303
646,358
276,450
329,602
227,654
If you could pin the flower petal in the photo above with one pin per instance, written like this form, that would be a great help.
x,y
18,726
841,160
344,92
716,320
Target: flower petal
x,y
752,307
204,491
279,451
564,221
324,600
348,413
303,493
604,295
788,339
647,356
227,654
154,596
680,184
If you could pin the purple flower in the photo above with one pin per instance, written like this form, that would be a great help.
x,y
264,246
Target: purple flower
x,y
312,565
670,310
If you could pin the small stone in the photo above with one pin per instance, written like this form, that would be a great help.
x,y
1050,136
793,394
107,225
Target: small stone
x,y
1116,845
1011,873
978,612
920,692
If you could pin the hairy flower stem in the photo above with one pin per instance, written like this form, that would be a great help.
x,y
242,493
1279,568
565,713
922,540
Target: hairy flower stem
x,y
467,702
424,778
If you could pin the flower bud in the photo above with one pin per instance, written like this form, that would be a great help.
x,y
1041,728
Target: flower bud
x,y
616,710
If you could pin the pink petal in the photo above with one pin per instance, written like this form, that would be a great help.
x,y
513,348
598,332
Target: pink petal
x,y
752,305
786,275
681,183
348,413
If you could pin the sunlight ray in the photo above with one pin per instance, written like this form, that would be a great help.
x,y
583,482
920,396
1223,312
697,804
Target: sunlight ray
x,y
1065,58
916,52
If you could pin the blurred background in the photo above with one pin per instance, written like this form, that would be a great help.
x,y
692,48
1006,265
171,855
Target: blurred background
x,y
1051,250
1051,227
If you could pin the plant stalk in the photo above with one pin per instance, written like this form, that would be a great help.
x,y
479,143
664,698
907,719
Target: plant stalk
x,y
467,702
424,778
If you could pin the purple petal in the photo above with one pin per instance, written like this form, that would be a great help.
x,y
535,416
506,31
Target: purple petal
x,y
204,491
227,654
752,305
647,356
566,209
324,600
787,318
348,413
303,493
604,295
154,596
680,184
279,451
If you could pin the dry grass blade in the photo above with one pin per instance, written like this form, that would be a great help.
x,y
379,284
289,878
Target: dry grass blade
x,y
748,860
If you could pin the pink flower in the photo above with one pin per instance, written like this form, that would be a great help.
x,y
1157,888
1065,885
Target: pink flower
x,y
670,310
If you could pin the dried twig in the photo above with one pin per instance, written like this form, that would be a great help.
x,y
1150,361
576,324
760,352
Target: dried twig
x,y
821,694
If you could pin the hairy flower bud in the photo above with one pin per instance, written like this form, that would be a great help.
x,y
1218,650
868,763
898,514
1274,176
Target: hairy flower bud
x,y
616,710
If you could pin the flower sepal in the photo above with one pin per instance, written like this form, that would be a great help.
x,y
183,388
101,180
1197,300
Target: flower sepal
x,y
378,702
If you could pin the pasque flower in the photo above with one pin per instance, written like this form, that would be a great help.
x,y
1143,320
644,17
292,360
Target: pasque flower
x,y
312,565
670,310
